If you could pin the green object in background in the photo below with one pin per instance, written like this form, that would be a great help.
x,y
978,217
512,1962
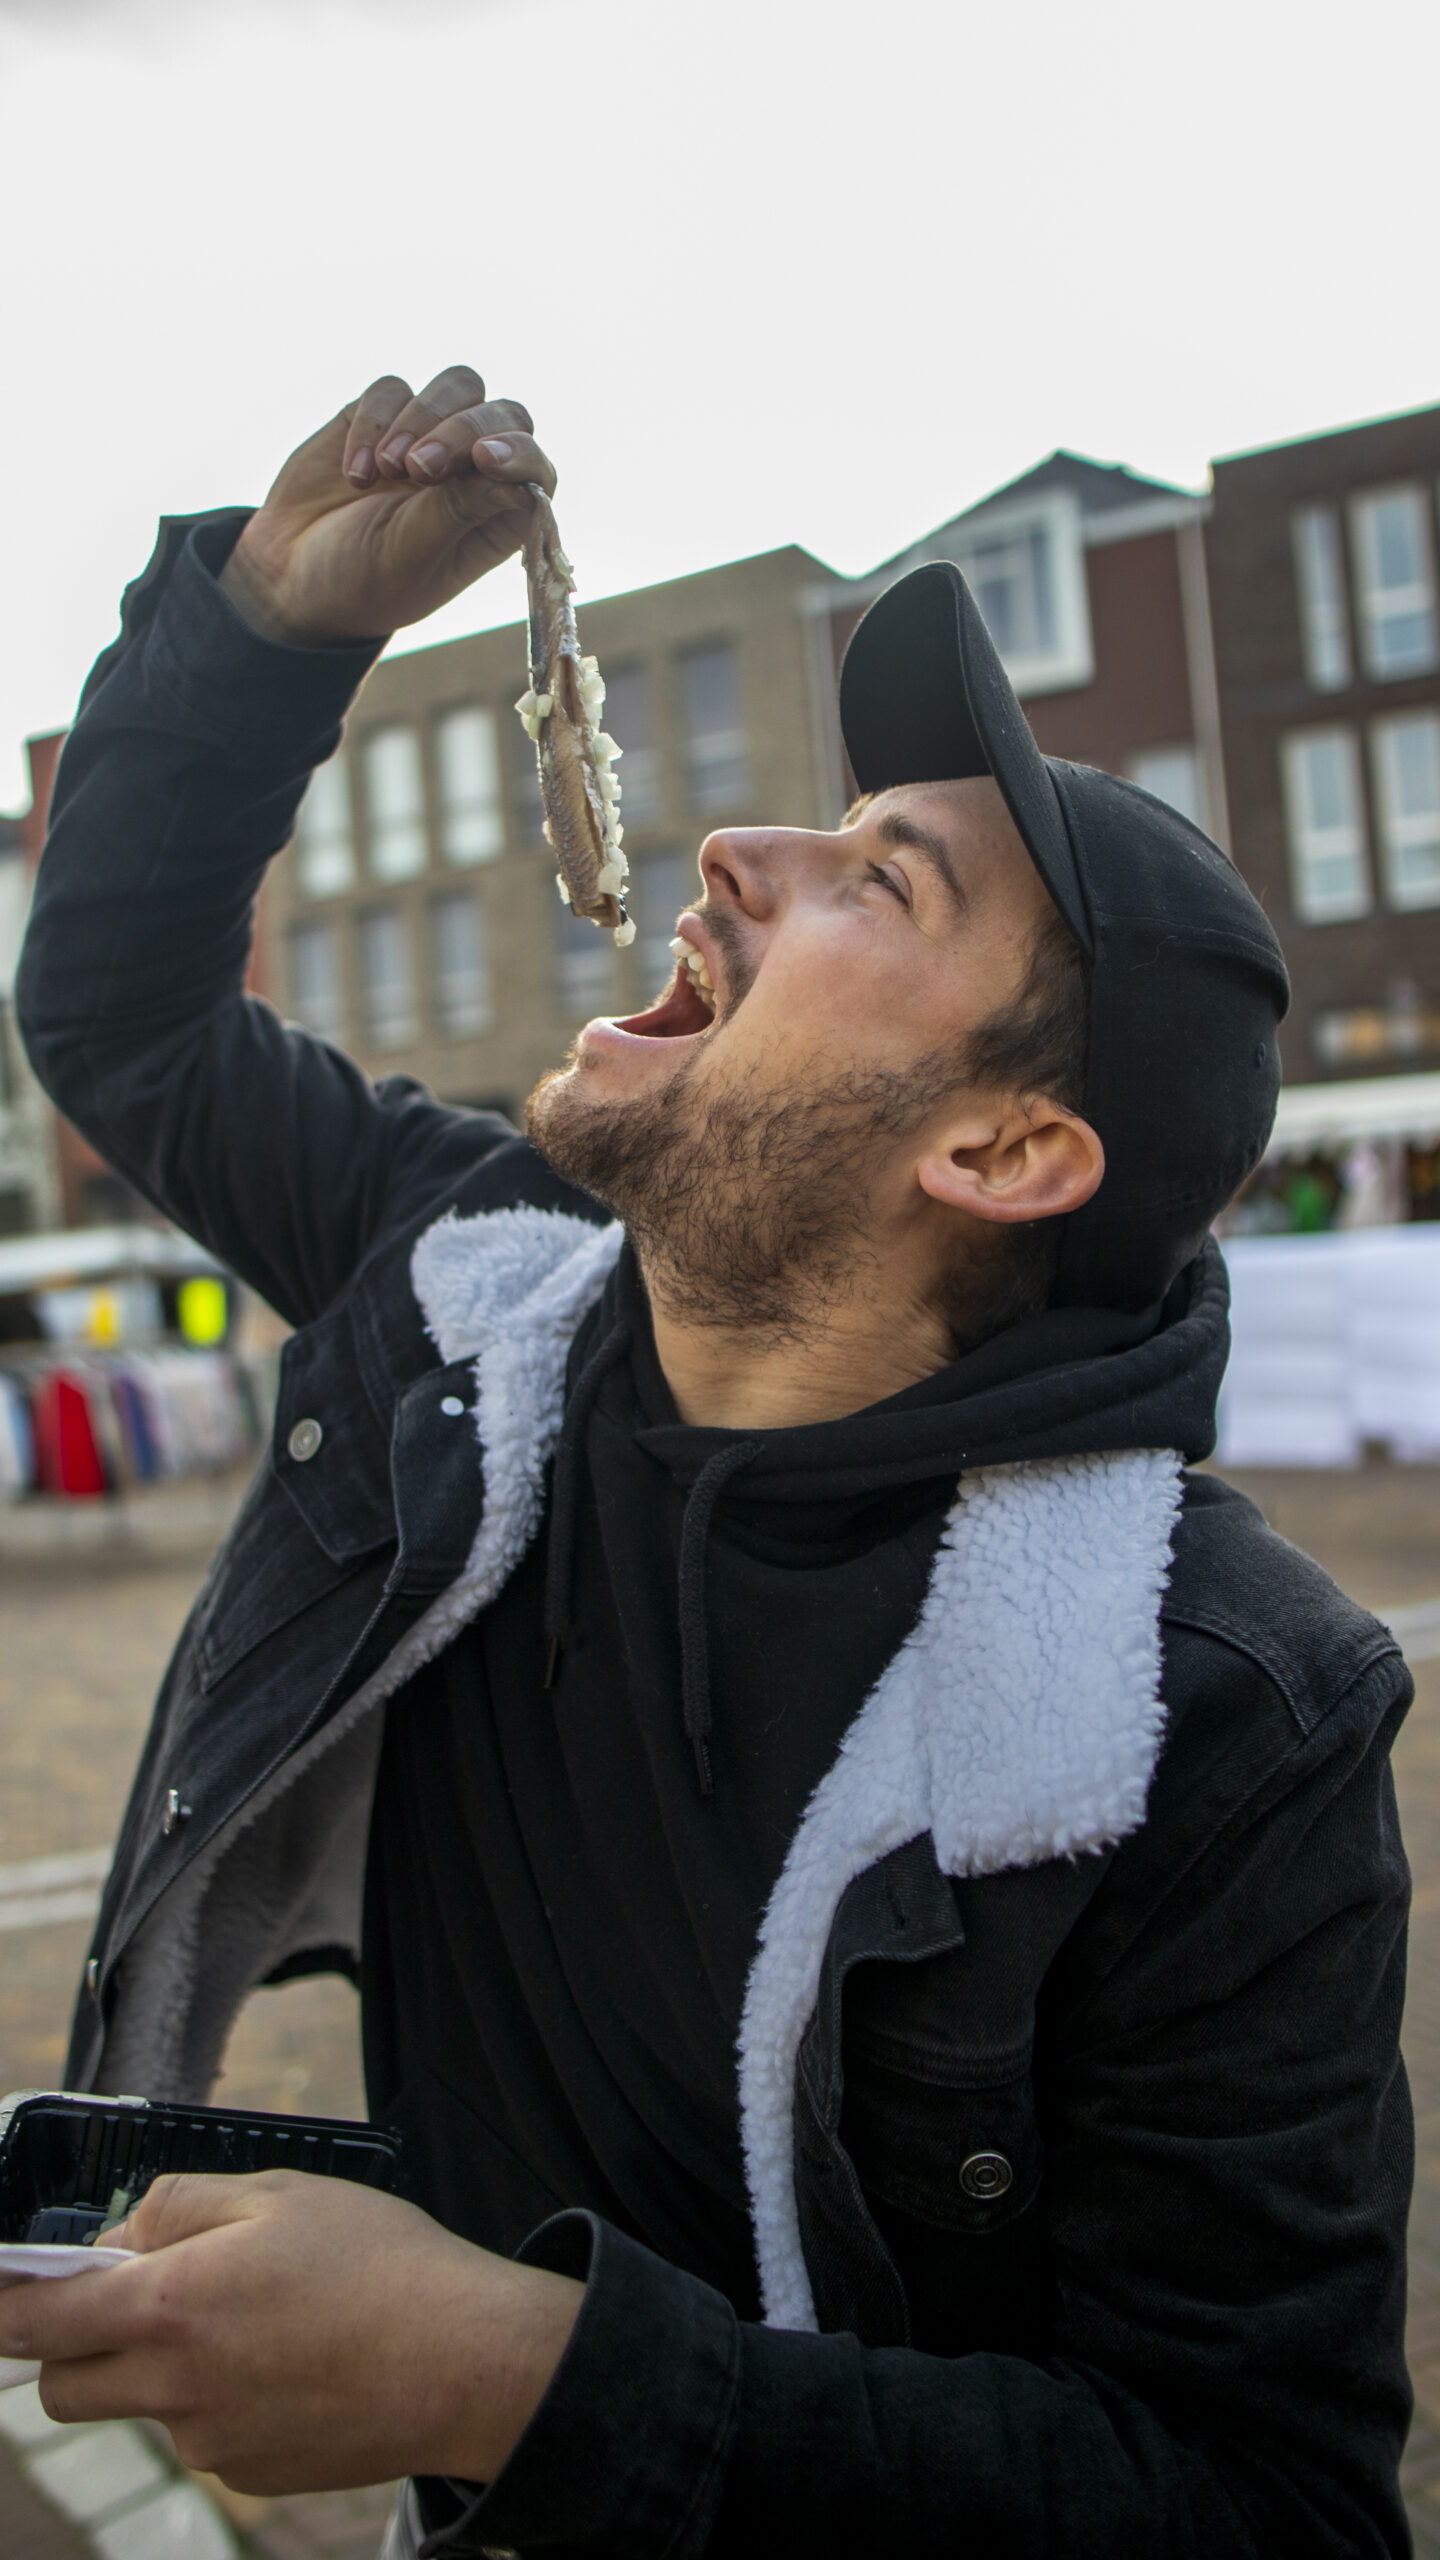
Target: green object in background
x,y
203,1313
1307,1200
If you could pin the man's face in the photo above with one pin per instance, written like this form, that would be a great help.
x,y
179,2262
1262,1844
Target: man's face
x,y
750,1146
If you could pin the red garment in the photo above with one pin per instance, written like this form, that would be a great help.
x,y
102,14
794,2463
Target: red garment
x,y
67,1449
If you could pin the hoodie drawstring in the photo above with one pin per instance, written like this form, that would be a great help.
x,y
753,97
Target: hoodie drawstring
x,y
694,1634
565,1493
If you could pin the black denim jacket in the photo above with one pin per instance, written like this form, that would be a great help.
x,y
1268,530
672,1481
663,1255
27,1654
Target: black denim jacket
x,y
1169,2320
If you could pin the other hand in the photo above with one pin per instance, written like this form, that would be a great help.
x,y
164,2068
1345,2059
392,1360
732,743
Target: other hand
x,y
300,2333
393,508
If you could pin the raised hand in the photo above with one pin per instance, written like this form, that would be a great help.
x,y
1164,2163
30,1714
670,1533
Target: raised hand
x,y
401,501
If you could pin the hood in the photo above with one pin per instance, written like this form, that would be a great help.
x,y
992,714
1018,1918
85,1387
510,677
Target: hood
x,y
1073,1382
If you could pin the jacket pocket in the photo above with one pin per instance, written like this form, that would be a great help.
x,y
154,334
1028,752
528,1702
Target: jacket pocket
x,y
952,2173
268,1573
955,2141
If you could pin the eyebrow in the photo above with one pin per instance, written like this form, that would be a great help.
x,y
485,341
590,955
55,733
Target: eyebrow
x,y
894,829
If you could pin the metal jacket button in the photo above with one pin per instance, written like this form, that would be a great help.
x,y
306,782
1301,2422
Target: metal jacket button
x,y
92,1977
305,1439
175,1812
451,1405
986,2175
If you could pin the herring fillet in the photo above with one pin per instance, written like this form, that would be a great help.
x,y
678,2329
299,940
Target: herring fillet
x,y
579,789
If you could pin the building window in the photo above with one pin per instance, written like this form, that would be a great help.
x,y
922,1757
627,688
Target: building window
x,y
472,827
1395,583
664,883
312,974
1404,1028
324,842
1406,753
629,719
1026,570
460,976
395,803
387,979
1173,775
1326,818
1320,586
716,765
584,965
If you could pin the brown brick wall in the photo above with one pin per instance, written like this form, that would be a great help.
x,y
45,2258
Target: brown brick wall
x,y
1264,692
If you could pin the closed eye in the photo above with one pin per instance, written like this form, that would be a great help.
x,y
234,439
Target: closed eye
x,y
887,880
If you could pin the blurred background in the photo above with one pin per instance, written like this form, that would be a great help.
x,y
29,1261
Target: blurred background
x,y
1123,309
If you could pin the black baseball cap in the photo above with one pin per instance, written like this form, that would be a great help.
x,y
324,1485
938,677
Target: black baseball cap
x,y
1187,981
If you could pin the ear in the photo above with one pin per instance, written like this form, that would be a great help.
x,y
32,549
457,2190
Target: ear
x,y
1009,1165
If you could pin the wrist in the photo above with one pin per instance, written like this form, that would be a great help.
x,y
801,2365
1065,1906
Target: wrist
x,y
501,2367
255,593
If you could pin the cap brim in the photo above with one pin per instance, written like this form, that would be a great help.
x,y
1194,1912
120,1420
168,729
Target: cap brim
x,y
924,698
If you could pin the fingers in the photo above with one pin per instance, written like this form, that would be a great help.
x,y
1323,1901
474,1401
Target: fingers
x,y
458,387
178,2208
371,420
453,446
71,2316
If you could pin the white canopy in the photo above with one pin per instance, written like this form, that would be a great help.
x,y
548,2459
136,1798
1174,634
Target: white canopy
x,y
1334,1115
98,1253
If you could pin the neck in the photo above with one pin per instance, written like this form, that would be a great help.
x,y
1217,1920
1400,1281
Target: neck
x,y
841,1359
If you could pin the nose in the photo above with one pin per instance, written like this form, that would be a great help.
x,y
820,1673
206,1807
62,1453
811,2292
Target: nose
x,y
756,869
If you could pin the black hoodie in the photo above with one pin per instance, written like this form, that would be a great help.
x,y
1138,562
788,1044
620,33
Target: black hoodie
x,y
583,1805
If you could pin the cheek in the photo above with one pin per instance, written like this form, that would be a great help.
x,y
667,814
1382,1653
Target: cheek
x,y
845,995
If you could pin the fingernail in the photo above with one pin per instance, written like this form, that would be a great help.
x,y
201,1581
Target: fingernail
x,y
431,459
395,451
361,465
497,448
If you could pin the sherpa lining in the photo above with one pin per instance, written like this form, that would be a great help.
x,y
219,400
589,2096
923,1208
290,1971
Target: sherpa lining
x,y
284,1875
1020,1721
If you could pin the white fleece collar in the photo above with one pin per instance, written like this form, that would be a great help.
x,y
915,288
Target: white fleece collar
x,y
1020,1721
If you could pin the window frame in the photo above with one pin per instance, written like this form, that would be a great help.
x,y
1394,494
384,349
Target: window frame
x,y
1360,901
414,822
739,774
1056,513
1363,553
321,931
448,809
396,911
483,1015
333,780
1391,822
1324,616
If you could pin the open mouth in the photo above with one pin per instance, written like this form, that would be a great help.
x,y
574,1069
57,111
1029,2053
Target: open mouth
x,y
688,1005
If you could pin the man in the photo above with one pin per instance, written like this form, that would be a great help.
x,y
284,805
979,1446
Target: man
x,y
882,1909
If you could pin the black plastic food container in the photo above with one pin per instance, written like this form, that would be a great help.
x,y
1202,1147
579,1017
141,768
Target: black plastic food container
x,y
62,2159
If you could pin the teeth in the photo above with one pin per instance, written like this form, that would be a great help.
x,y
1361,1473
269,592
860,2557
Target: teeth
x,y
696,968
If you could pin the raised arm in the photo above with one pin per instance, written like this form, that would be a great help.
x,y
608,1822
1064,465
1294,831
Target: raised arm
x,y
240,650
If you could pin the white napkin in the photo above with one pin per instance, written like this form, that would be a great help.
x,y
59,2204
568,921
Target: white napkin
x,y
22,2260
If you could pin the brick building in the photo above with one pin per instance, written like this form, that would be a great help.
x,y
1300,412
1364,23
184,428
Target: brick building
x,y
415,917
1093,583
1322,563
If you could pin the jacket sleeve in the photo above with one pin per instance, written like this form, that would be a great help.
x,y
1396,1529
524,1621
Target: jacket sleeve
x,y
181,778
1228,2171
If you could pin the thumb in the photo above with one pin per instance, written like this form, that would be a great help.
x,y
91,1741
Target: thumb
x,y
180,2207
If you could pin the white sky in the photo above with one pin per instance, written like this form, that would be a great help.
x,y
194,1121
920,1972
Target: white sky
x,y
766,271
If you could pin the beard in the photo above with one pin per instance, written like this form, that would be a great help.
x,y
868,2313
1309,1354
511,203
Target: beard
x,y
748,1209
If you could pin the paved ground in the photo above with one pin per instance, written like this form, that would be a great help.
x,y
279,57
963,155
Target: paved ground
x,y
85,1628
